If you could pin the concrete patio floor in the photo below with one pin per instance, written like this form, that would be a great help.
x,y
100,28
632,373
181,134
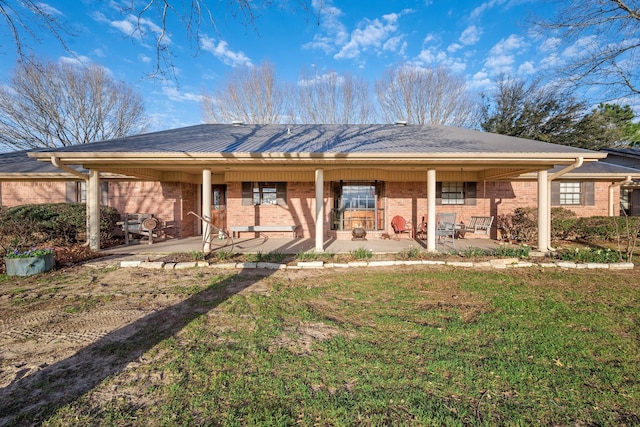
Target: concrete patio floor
x,y
265,245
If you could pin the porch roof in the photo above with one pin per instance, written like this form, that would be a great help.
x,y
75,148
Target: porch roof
x,y
221,147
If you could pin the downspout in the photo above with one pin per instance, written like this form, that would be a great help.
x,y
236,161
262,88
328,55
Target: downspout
x,y
57,163
613,186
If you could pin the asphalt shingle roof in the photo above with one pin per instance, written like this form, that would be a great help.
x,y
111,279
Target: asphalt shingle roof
x,y
221,138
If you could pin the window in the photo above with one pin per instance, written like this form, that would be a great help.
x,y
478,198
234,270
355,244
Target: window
x,y
453,193
572,193
358,205
76,192
264,193
456,193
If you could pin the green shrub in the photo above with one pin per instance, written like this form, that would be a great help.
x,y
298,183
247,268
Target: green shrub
x,y
562,224
31,225
522,226
505,251
591,255
361,253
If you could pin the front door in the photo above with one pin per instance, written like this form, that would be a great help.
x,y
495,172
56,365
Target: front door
x,y
219,206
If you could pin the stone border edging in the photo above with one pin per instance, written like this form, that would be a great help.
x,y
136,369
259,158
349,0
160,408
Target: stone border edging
x,y
496,263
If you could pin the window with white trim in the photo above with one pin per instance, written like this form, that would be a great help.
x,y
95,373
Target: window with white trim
x,y
264,193
455,193
570,193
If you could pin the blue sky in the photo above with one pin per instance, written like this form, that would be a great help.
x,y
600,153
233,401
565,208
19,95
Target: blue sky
x,y
478,40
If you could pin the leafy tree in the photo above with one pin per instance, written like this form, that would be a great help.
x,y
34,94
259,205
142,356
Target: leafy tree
x,y
548,114
47,104
531,111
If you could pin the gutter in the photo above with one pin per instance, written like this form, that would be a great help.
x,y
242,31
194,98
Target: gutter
x,y
612,187
57,163
579,161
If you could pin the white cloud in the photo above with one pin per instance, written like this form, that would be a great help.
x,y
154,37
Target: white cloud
x,y
454,47
470,36
173,94
526,68
127,27
221,51
395,44
322,78
48,9
500,63
485,6
144,58
432,55
132,25
480,81
508,45
550,44
581,45
370,34
334,33
75,60
502,56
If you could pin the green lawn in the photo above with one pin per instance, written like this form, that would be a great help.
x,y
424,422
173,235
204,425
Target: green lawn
x,y
439,347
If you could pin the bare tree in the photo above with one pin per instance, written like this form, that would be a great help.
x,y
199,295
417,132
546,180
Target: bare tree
x,y
152,18
332,99
250,94
60,104
601,38
433,96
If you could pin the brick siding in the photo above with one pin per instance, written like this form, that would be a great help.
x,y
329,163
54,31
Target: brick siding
x,y
172,200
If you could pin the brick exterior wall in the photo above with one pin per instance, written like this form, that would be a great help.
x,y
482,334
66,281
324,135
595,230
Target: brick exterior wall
x,y
169,201
25,193
172,200
300,209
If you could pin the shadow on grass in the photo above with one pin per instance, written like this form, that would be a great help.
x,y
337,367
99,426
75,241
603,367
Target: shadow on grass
x,y
31,400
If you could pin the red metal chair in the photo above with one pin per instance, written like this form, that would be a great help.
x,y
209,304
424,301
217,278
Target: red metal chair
x,y
400,226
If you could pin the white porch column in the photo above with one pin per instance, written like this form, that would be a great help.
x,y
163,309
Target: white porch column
x,y
431,210
206,210
93,209
544,229
319,219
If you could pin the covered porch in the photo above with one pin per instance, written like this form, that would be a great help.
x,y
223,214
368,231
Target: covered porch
x,y
282,245
300,164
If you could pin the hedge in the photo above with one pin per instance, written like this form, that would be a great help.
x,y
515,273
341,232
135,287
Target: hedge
x,y
32,225
522,225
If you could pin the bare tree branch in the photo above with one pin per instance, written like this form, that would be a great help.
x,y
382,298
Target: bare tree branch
x,y
332,99
422,96
600,40
24,17
250,94
58,104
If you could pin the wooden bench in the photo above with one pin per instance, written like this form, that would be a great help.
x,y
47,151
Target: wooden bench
x,y
142,224
479,224
237,229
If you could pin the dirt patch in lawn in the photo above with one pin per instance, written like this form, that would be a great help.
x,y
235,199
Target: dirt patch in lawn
x,y
64,332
